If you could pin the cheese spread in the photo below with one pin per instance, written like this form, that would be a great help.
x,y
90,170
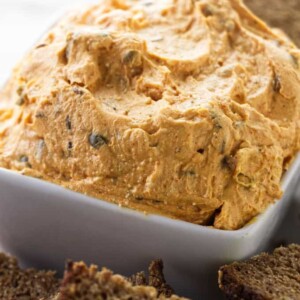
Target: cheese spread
x,y
183,108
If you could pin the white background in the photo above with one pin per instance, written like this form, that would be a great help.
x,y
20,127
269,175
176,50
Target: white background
x,y
21,24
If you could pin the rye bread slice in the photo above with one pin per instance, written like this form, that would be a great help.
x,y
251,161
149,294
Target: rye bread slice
x,y
264,277
88,283
284,14
81,283
155,279
29,284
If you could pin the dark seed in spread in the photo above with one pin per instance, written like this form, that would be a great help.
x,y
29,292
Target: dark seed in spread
x,y
66,55
97,140
216,120
130,56
207,11
20,101
133,60
223,146
148,3
40,115
276,84
68,123
156,201
190,173
20,92
157,39
41,46
78,91
70,145
24,159
229,162
201,151
218,126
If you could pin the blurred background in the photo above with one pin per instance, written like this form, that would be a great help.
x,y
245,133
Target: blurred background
x,y
284,14
21,24
23,21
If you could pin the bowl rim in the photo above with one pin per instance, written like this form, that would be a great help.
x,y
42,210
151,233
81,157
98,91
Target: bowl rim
x,y
250,227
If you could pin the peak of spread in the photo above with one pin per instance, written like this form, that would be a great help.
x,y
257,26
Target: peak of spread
x,y
184,108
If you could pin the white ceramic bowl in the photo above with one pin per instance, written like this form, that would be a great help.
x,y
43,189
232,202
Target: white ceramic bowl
x,y
45,224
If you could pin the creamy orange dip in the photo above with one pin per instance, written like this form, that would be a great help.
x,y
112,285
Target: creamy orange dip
x,y
188,109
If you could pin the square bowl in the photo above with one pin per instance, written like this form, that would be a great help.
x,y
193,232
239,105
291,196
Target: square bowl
x,y
45,224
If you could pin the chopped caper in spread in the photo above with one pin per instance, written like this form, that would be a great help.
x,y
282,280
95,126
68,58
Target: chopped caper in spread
x,y
97,140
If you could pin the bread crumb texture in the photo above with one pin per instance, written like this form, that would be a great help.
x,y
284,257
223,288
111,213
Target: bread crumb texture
x,y
88,283
81,282
264,277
